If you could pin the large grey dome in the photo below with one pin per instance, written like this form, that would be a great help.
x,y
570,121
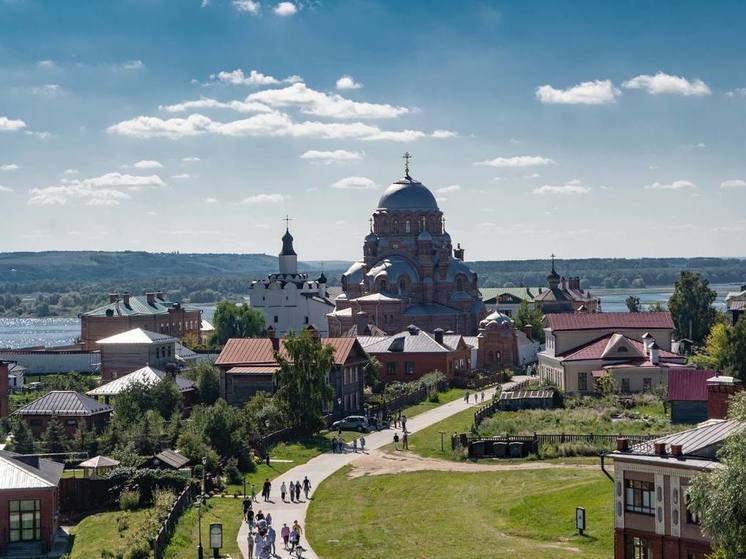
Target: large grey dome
x,y
408,194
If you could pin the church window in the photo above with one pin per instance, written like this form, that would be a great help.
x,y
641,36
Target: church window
x,y
305,320
402,285
424,223
407,227
276,320
396,226
460,283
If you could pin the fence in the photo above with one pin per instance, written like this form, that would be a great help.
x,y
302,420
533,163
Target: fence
x,y
78,495
490,409
403,400
169,524
532,443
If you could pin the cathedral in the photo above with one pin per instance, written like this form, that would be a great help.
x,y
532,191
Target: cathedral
x,y
410,273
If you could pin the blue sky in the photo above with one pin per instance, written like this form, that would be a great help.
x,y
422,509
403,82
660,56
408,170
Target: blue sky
x,y
581,128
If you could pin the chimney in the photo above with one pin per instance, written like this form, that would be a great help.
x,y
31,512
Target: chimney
x,y
676,450
529,331
126,299
660,449
151,298
622,444
719,391
458,252
29,460
647,341
654,355
271,334
312,329
4,389
161,295
439,335
413,330
113,297
361,322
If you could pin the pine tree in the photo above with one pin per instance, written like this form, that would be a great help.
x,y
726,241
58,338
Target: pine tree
x,y
23,440
54,439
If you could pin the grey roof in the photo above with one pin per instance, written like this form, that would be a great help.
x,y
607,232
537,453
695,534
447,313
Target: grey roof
x,y
526,394
471,341
99,462
172,458
146,375
701,442
406,342
138,305
408,194
28,472
64,403
137,336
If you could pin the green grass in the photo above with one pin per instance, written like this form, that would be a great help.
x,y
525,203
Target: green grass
x,y
443,398
183,543
528,514
100,532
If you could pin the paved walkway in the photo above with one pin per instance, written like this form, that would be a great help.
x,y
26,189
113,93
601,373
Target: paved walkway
x,y
321,467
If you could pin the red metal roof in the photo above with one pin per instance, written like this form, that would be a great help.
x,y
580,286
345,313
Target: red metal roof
x,y
689,385
595,350
258,351
594,321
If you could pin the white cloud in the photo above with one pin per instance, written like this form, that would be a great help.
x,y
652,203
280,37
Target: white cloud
x,y
314,102
517,161
181,176
133,65
275,124
208,103
738,92
48,90
532,176
71,171
8,124
662,83
46,64
211,200
733,183
105,190
148,164
237,77
5,189
249,6
190,159
264,199
569,189
675,185
597,92
285,9
347,82
443,134
40,135
447,189
330,157
354,183
9,167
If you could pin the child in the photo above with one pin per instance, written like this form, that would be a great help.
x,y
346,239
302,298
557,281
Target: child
x,y
396,441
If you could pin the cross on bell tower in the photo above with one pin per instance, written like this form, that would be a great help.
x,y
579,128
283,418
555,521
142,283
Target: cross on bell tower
x,y
552,262
406,157
287,221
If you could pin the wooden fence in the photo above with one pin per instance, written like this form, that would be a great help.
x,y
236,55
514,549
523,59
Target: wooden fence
x,y
169,524
489,409
400,402
79,495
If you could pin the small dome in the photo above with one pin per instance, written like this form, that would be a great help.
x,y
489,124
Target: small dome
x,y
408,194
424,236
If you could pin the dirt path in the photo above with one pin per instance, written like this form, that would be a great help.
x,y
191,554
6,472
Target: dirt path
x,y
380,462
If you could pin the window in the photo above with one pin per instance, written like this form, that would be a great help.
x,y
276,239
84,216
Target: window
x,y
638,548
691,518
305,320
396,226
625,385
459,283
409,367
407,227
390,368
25,520
647,384
621,349
639,496
583,382
402,285
71,422
276,320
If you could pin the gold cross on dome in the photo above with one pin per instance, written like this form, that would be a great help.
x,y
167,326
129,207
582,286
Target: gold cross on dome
x,y
287,221
406,157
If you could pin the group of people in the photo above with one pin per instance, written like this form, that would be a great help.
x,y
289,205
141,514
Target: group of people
x,y
467,396
295,488
262,536
340,446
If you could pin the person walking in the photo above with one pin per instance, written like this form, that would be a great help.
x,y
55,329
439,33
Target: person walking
x,y
362,444
285,533
266,489
297,491
283,491
405,441
404,423
253,493
250,518
396,441
259,516
268,518
265,552
483,395
250,544
306,486
295,534
334,445
354,446
467,396
271,536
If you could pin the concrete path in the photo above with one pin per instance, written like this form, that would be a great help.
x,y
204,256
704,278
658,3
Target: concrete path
x,y
321,467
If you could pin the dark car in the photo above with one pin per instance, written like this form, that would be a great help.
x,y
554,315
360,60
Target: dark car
x,y
352,423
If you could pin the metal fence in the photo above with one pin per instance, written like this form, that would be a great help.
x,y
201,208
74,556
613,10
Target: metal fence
x,y
169,524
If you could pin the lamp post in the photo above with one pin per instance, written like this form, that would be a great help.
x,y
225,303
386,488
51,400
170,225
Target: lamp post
x,y
204,469
198,506
339,406
266,456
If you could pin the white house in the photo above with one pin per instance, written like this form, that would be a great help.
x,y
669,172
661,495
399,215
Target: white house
x,y
290,301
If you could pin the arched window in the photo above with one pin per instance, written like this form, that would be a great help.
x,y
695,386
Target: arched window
x,y
424,223
396,226
402,285
460,283
407,227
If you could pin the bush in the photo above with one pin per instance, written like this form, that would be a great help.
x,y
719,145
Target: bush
x,y
434,398
232,473
565,450
123,522
129,499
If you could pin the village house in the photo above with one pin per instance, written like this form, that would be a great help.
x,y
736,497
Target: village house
x,y
151,312
247,366
735,302
72,409
507,300
29,504
633,348
128,351
687,394
651,480
148,376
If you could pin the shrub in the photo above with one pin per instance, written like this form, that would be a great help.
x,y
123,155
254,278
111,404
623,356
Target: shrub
x,y
232,473
434,398
138,547
123,522
129,499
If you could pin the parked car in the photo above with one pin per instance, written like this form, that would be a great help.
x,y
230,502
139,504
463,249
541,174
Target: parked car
x,y
352,423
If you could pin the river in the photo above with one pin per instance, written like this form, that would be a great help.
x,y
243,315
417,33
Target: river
x,y
26,332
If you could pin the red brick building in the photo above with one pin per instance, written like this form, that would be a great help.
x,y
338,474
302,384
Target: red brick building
x,y
497,343
410,354
151,312
71,408
29,501
4,388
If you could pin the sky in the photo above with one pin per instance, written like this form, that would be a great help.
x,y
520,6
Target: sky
x,y
584,129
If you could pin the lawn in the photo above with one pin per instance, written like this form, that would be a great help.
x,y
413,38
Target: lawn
x,y
530,514
183,543
443,398
101,532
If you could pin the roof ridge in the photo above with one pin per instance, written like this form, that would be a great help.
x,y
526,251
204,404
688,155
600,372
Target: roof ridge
x,y
18,465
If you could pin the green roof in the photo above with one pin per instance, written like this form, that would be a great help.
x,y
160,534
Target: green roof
x,y
138,305
527,293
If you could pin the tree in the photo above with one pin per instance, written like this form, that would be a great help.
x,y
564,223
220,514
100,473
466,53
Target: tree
x,y
633,303
711,355
23,440
691,306
717,496
303,380
657,307
233,320
262,415
54,437
138,398
527,316
207,377
220,424
371,369
84,440
733,357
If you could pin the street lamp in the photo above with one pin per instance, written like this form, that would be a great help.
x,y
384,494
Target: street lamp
x,y
198,506
204,469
